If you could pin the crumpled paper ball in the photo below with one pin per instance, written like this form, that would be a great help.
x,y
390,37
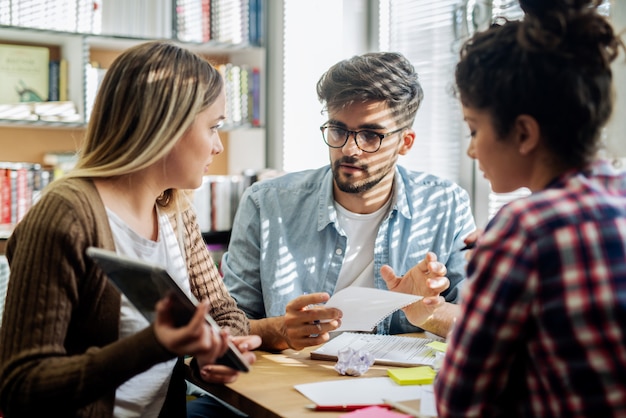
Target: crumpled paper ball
x,y
351,362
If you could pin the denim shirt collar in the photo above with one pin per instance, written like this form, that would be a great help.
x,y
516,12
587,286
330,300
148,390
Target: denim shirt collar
x,y
326,208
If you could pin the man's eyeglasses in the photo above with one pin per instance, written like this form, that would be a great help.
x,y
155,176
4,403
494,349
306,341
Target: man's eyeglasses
x,y
367,141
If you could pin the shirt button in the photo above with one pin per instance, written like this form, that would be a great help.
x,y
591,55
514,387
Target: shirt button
x,y
338,251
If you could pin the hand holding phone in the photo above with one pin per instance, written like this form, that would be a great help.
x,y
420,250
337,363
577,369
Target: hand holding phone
x,y
146,284
214,372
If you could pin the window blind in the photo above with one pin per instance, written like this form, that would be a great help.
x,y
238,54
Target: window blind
x,y
422,30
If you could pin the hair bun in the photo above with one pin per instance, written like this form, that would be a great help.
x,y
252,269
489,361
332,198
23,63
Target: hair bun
x,y
565,26
542,8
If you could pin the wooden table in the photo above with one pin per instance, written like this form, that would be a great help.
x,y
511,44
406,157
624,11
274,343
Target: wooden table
x,y
267,391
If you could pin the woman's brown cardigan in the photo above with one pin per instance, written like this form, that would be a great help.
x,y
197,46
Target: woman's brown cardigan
x,y
59,347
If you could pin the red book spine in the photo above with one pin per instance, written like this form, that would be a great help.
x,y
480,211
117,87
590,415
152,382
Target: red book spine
x,y
5,196
206,20
24,198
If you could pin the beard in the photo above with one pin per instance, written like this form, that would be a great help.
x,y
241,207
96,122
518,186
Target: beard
x,y
347,185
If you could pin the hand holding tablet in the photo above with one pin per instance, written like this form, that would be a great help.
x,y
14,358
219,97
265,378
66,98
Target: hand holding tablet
x,y
145,284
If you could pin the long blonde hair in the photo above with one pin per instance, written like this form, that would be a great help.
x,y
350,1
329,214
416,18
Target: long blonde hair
x,y
148,98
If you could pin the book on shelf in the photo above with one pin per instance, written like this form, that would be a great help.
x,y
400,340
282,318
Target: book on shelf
x,y
150,19
5,194
255,97
242,87
235,99
53,80
24,71
206,21
24,183
232,21
45,111
215,17
255,22
17,111
193,20
57,80
245,105
63,80
225,21
20,188
60,111
95,75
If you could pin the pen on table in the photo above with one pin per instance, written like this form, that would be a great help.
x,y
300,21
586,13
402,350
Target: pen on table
x,y
344,407
403,408
468,246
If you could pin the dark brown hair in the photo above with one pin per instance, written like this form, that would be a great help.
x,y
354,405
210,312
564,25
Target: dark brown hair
x,y
553,65
386,76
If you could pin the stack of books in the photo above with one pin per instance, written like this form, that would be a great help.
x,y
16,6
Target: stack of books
x,y
20,187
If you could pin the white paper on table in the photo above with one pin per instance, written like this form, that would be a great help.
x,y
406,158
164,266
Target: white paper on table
x,y
364,307
358,391
428,406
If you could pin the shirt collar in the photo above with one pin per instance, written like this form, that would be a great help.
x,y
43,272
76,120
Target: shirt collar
x,y
327,214
598,167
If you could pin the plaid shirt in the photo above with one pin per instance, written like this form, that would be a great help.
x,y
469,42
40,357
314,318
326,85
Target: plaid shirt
x,y
542,331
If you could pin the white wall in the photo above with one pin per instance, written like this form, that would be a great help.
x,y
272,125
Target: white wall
x,y
317,35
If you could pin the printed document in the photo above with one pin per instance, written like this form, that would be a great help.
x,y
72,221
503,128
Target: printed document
x,y
393,350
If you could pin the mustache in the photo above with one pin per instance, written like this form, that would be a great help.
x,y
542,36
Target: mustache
x,y
350,161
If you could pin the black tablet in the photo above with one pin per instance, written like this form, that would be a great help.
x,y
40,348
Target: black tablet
x,y
145,284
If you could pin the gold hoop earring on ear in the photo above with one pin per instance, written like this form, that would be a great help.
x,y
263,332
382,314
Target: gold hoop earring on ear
x,y
164,198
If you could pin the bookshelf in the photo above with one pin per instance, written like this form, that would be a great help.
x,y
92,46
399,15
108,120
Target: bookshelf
x,y
229,34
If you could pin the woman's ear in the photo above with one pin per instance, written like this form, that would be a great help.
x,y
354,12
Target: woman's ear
x,y
527,134
408,138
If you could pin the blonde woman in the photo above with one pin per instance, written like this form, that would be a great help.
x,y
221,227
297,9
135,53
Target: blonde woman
x,y
70,343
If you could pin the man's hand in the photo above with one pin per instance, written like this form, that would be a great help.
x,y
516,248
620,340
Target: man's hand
x,y
307,323
427,279
470,240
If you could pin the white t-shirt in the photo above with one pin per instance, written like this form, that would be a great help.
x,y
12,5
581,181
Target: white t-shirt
x,y
360,230
144,394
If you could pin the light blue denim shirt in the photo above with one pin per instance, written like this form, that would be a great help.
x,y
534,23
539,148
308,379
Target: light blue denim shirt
x,y
286,242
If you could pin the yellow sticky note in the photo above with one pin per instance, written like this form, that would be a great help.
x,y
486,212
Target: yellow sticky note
x,y
438,345
421,375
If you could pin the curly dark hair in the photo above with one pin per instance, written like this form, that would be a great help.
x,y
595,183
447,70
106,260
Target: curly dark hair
x,y
554,65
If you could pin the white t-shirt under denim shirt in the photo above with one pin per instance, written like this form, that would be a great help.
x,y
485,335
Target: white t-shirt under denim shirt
x,y
360,230
144,394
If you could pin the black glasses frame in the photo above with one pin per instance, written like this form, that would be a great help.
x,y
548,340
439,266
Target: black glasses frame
x,y
356,133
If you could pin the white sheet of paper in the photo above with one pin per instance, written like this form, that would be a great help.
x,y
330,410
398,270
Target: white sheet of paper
x,y
364,307
358,391
428,406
